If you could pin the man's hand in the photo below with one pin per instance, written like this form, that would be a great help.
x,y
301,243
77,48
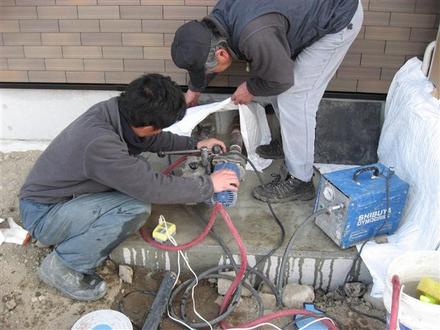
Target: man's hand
x,y
192,98
242,95
209,143
225,180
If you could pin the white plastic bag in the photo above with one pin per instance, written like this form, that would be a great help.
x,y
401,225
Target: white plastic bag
x,y
410,142
14,234
253,124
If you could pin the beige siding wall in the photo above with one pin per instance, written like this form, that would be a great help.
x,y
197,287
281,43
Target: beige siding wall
x,y
114,41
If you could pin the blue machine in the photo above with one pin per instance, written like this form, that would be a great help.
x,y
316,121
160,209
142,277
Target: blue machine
x,y
361,193
227,198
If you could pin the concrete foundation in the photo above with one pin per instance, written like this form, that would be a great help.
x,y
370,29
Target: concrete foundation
x,y
314,259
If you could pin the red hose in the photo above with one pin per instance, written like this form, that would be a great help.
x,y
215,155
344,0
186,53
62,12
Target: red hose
x,y
167,170
395,281
243,257
236,282
219,208
147,237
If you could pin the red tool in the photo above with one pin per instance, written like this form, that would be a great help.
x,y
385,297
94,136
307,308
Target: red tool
x,y
395,299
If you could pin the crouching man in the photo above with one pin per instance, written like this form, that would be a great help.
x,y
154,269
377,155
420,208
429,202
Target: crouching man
x,y
89,190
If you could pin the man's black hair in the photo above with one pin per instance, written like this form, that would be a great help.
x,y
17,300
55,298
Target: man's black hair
x,y
152,100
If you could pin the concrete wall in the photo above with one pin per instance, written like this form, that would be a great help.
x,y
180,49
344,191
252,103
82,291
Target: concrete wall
x,y
30,119
114,41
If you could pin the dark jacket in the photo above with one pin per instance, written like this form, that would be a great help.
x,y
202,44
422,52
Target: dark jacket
x,y
269,34
91,156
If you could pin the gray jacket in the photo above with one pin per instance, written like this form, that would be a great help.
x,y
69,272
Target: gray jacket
x,y
91,156
270,34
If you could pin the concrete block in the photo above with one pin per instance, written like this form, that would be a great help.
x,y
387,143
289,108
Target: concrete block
x,y
80,25
269,301
295,295
101,39
82,52
85,77
13,76
386,33
57,12
126,273
103,65
59,64
9,26
61,39
39,25
123,52
21,39
11,51
393,5
42,51
142,39
160,26
182,12
47,76
123,25
145,12
224,284
18,13
101,12
413,20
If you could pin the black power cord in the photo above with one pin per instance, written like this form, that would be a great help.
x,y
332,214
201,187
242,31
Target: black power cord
x,y
121,307
280,279
253,270
349,275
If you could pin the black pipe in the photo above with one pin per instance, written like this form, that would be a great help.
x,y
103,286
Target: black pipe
x,y
160,303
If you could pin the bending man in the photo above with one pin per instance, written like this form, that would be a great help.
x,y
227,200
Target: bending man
x,y
292,49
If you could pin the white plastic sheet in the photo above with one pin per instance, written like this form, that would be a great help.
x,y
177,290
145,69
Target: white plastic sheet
x,y
13,234
410,142
253,124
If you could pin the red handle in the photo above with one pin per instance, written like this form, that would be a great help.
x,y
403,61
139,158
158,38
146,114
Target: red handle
x,y
395,299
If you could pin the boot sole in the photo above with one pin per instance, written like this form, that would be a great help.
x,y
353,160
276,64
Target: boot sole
x,y
50,283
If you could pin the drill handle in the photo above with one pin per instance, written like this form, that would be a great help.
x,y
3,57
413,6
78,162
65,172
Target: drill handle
x,y
178,152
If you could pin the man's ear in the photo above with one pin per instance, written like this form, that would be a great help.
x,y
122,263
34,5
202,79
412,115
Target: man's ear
x,y
222,55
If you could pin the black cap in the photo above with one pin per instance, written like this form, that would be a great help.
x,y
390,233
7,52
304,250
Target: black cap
x,y
190,50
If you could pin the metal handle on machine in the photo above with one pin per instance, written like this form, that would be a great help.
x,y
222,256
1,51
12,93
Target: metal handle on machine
x,y
374,169
178,152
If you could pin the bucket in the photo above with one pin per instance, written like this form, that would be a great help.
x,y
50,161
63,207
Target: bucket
x,y
411,267
103,319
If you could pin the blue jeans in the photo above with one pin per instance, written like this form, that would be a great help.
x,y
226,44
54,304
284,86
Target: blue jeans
x,y
87,228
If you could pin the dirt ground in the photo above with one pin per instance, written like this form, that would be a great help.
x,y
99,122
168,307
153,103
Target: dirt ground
x,y
27,303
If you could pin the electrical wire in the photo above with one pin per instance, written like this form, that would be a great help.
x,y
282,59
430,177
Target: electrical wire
x,y
280,279
180,254
316,321
274,215
257,326
358,255
230,299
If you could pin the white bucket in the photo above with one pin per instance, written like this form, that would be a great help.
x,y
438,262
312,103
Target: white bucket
x,y
103,319
411,267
